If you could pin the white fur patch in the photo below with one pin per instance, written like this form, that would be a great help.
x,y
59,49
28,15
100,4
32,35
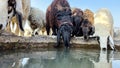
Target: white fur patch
x,y
3,13
111,42
103,23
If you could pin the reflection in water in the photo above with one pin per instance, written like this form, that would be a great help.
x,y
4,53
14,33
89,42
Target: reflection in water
x,y
60,59
104,61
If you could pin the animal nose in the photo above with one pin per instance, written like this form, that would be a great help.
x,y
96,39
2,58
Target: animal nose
x,y
85,37
1,26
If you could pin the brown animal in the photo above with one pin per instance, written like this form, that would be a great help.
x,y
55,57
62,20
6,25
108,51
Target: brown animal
x,y
51,14
82,25
58,17
49,20
88,14
87,29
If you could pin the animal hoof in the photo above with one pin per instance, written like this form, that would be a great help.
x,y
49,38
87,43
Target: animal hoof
x,y
104,49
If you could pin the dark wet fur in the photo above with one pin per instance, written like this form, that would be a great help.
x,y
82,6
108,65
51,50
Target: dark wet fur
x,y
65,32
19,18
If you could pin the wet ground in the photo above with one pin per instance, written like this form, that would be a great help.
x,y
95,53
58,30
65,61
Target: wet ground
x,y
59,58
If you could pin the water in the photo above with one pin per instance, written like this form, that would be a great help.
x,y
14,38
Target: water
x,y
60,58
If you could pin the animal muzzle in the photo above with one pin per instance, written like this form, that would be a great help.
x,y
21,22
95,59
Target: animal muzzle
x,y
66,39
86,37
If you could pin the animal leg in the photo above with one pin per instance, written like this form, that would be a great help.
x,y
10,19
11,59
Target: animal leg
x,y
8,27
16,29
103,43
43,31
111,42
54,30
19,19
47,29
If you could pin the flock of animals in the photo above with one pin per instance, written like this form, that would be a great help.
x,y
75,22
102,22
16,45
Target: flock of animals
x,y
18,17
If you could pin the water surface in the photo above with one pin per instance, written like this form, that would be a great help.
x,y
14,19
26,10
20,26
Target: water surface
x,y
60,58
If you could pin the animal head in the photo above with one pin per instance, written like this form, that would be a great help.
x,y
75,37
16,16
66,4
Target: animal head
x,y
33,25
11,5
66,31
64,20
77,18
77,15
87,29
11,2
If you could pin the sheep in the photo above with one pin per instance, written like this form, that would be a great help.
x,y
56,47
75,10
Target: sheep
x,y
37,21
3,14
22,8
103,22
18,19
